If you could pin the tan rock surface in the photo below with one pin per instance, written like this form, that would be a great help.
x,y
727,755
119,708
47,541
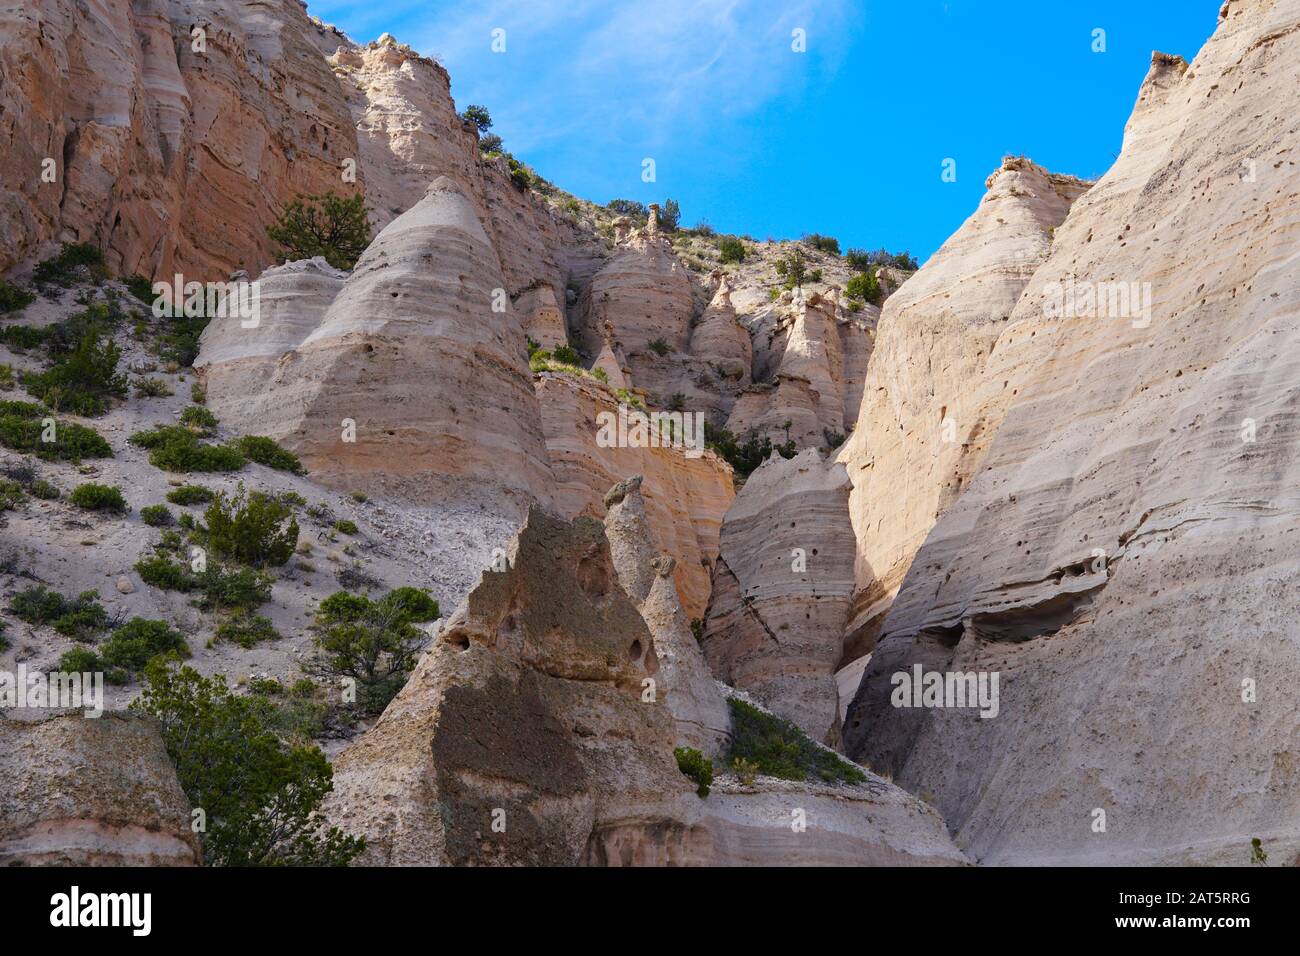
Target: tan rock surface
x,y
413,353
78,791
693,698
721,339
529,706
1120,553
781,590
171,158
908,457
685,497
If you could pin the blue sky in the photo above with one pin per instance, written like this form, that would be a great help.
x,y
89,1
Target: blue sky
x,y
846,139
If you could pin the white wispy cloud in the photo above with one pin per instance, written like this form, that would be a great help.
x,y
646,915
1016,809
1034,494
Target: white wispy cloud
x,y
620,71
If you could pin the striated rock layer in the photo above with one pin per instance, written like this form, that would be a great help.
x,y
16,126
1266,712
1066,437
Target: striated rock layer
x,y
1123,548
909,455
685,497
411,352
78,791
693,697
781,589
173,151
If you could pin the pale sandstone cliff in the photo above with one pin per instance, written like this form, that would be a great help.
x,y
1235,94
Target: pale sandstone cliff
x,y
697,706
685,497
781,589
413,353
909,455
173,151
1122,548
78,791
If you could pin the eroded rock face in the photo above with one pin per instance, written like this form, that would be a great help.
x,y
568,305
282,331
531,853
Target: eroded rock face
x,y
411,351
685,497
917,423
692,696
644,295
781,589
721,339
172,154
1121,548
531,712
869,824
528,709
77,791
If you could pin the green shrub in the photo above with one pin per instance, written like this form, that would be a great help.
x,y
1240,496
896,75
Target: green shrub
x,y
157,516
24,338
252,528
161,572
82,380
479,116
219,588
152,388
179,339
11,494
95,497
823,243
77,618
660,347
138,641
360,497
190,495
697,767
745,770
261,794
176,448
71,264
246,630
266,452
777,748
26,410
197,395
7,380
44,490
83,660
82,617
344,526
745,455
71,442
864,286
233,589
415,602
566,355
628,207
731,249
199,418
13,298
141,288
375,643
329,225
